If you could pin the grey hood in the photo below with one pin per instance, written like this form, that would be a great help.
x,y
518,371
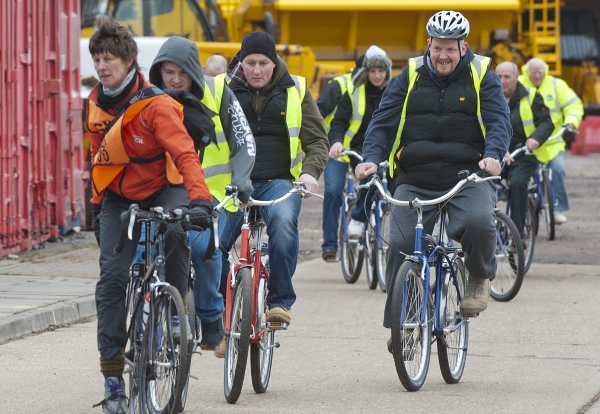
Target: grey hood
x,y
184,53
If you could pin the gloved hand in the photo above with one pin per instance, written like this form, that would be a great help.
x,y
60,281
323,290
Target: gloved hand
x,y
201,213
96,221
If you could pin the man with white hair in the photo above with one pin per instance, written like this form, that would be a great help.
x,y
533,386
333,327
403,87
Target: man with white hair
x,y
565,108
531,125
215,65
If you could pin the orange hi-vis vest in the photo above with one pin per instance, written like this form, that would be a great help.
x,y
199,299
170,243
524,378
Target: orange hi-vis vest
x,y
112,157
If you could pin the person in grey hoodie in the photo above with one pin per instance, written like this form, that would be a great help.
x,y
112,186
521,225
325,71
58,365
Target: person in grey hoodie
x,y
225,144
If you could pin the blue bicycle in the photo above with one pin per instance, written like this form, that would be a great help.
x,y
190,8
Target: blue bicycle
x,y
418,312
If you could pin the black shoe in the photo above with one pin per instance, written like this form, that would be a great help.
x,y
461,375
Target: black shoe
x,y
212,334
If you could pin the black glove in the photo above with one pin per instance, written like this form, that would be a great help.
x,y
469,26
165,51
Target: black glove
x,y
96,221
201,213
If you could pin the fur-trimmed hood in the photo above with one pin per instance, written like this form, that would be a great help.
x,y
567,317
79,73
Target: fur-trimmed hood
x,y
375,57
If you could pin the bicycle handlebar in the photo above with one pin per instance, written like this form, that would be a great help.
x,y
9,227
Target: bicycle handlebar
x,y
524,149
298,188
376,181
350,153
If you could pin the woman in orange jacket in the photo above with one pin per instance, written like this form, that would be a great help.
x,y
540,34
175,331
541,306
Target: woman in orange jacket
x,y
141,154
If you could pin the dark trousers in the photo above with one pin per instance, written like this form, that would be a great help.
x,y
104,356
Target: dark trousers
x,y
470,222
114,268
519,174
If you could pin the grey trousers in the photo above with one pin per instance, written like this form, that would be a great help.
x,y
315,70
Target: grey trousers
x,y
470,222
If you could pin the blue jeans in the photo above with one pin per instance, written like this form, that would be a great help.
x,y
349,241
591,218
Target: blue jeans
x,y
207,297
557,165
282,229
335,180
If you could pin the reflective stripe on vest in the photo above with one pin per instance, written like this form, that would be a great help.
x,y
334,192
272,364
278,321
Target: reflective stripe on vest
x,y
216,164
293,120
359,105
345,84
526,113
479,66
112,157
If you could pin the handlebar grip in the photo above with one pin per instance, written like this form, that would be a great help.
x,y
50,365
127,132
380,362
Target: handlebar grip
x,y
125,222
213,243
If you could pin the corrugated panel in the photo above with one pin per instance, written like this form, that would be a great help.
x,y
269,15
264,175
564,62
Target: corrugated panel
x,y
580,36
398,5
40,133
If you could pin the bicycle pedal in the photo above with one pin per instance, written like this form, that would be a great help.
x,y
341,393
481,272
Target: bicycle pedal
x,y
470,314
277,326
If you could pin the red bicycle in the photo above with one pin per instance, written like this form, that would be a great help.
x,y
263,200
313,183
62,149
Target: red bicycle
x,y
246,323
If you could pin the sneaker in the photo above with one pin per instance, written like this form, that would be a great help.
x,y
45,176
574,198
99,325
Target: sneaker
x,y
212,334
279,314
115,399
559,218
329,255
220,349
476,296
176,329
355,228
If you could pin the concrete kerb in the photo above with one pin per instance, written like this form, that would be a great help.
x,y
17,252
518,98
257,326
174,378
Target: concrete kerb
x,y
43,318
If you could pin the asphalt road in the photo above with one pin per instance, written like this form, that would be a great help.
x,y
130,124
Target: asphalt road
x,y
538,353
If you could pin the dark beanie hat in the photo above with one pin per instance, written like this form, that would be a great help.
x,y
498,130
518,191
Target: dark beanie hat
x,y
259,42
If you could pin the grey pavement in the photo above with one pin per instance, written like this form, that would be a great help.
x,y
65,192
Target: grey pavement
x,y
48,288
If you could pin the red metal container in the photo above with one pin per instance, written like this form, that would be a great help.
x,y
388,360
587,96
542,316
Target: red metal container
x,y
41,158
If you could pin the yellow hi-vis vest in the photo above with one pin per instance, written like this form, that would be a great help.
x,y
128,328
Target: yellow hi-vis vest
x,y
553,91
479,66
293,120
526,113
346,84
358,98
216,164
112,157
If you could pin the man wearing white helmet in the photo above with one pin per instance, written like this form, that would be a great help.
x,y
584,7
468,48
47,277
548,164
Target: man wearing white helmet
x,y
444,113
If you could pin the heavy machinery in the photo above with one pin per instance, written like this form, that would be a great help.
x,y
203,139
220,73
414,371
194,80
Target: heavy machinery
x,y
322,38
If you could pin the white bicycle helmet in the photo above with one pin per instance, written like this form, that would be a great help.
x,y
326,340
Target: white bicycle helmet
x,y
448,24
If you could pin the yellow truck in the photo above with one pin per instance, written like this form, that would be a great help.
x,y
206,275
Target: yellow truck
x,y
322,38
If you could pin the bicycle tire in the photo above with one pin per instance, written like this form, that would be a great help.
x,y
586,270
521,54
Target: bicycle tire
x,y
411,347
261,352
236,348
164,363
371,256
530,232
382,245
548,204
452,347
351,256
510,259
135,341
191,314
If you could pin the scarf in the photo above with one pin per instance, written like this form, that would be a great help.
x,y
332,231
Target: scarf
x,y
111,98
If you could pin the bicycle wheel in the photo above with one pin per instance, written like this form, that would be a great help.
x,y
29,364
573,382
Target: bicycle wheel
x,y
509,259
370,256
548,203
135,344
382,245
452,346
236,348
411,339
191,314
164,362
351,255
529,240
261,353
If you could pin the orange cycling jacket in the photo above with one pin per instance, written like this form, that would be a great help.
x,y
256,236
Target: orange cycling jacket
x,y
155,130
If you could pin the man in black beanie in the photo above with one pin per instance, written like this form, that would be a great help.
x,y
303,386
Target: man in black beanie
x,y
291,145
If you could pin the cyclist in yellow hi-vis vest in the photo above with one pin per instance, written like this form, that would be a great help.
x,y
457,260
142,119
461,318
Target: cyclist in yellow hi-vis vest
x,y
565,108
444,113
291,145
531,125
215,121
